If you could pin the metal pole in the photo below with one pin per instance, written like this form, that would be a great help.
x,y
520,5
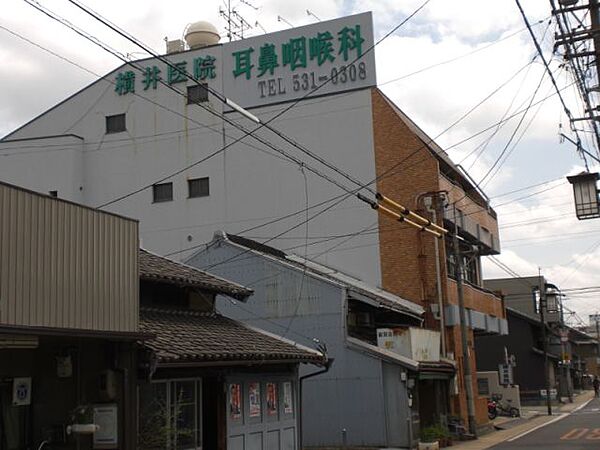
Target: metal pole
x,y
467,377
438,275
542,289
598,333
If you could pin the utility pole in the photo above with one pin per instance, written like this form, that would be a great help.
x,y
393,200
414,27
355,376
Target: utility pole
x,y
542,289
467,377
596,317
433,202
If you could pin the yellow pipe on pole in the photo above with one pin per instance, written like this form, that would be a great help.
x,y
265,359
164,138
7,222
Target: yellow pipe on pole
x,y
401,218
407,212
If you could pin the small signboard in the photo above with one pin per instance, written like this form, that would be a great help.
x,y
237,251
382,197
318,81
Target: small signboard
x,y
105,416
22,391
505,372
553,393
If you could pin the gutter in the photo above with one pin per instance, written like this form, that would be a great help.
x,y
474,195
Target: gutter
x,y
325,369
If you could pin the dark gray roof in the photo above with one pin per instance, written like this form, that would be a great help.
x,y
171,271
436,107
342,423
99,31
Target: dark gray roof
x,y
359,289
193,336
157,268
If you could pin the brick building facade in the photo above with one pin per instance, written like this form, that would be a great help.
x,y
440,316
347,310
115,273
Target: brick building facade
x,y
409,164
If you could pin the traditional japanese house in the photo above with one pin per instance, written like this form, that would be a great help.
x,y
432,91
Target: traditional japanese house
x,y
371,396
208,381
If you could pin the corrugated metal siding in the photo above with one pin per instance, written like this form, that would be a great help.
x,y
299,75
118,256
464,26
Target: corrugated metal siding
x,y
64,265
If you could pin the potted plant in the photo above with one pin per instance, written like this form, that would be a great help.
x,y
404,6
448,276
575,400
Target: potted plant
x,y
434,437
82,421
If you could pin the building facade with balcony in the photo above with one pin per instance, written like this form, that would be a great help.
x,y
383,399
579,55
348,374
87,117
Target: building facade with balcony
x,y
413,168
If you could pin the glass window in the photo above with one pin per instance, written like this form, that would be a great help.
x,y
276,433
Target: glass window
x,y
162,192
483,386
197,93
169,415
198,187
115,124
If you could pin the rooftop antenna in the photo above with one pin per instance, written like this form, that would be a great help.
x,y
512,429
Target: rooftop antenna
x,y
247,3
310,13
281,19
236,24
257,24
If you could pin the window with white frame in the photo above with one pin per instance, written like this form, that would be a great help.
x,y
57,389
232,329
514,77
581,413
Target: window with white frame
x,y
170,415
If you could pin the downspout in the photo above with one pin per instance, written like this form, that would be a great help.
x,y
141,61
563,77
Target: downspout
x,y
325,369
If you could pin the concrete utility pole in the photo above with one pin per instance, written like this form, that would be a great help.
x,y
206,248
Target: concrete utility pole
x,y
467,377
597,332
434,203
542,289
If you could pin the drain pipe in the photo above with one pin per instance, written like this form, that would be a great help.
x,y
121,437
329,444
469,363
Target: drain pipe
x,y
325,369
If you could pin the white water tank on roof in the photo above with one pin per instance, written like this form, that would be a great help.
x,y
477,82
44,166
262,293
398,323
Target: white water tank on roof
x,y
201,34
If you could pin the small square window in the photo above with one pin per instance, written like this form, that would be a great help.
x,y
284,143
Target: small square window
x,y
198,187
115,124
197,93
53,193
162,192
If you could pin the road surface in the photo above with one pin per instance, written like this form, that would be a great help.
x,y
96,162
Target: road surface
x,y
578,430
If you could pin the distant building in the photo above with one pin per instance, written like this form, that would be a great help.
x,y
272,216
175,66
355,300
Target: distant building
x,y
569,351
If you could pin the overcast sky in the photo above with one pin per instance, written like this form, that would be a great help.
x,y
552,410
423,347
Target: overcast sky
x,y
440,65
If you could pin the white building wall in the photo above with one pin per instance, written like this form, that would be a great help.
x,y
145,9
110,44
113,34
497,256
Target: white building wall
x,y
249,184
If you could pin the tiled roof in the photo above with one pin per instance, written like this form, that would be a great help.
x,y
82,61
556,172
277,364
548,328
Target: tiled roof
x,y
157,268
191,336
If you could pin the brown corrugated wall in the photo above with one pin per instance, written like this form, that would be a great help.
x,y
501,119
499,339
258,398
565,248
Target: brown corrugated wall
x,y
65,265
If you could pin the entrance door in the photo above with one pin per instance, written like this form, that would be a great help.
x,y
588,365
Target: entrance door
x,y
13,421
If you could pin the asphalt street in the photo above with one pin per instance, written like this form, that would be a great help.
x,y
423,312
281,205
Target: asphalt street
x,y
578,430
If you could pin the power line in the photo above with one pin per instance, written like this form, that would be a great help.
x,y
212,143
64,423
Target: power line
x,y
539,50
223,99
245,131
504,194
512,136
485,47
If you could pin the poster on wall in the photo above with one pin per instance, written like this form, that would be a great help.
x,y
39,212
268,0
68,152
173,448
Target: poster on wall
x,y
254,399
235,400
288,406
21,391
271,399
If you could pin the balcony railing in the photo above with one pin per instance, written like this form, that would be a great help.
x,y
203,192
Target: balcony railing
x,y
470,229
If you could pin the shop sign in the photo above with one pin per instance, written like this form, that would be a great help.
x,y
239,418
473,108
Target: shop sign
x,y
201,68
289,64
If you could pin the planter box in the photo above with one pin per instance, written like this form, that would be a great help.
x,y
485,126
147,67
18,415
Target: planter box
x,y
429,445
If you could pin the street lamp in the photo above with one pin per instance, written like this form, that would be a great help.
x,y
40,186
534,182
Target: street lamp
x,y
585,192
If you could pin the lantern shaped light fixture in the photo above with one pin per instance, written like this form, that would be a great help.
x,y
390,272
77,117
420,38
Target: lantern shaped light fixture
x,y
585,192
